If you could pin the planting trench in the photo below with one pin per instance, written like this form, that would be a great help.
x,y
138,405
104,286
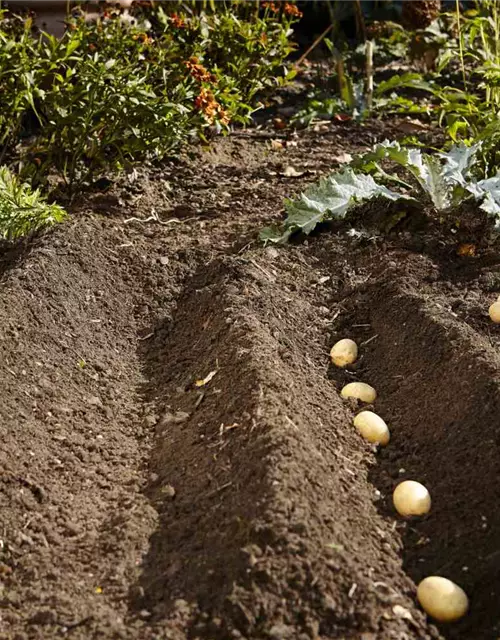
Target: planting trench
x,y
177,461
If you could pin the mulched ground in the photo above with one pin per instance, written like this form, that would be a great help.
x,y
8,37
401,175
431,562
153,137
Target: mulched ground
x,y
176,460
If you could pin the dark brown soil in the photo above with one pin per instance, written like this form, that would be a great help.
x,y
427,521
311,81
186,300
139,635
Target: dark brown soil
x,y
176,460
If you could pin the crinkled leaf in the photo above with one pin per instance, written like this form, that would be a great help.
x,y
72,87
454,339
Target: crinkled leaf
x,y
426,169
492,208
457,163
384,151
432,180
331,198
488,191
274,234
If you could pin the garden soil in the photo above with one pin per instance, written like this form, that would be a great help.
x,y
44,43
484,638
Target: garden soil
x,y
176,460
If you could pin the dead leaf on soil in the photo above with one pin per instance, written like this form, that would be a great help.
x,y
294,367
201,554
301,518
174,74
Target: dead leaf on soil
x,y
401,612
279,123
412,126
206,380
466,250
344,158
291,172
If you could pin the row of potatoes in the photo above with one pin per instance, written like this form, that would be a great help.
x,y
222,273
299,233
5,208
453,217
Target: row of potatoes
x,y
440,598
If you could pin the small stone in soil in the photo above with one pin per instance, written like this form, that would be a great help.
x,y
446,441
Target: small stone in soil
x,y
95,401
168,491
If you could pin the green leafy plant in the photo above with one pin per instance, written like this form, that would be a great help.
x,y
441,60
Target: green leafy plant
x,y
386,99
442,181
98,111
465,110
23,210
330,199
118,89
19,76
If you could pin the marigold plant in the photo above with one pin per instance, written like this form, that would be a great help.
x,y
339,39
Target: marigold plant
x,y
126,86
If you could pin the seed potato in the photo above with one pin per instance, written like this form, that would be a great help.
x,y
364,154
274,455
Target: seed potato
x,y
359,390
411,499
372,428
494,311
442,599
344,352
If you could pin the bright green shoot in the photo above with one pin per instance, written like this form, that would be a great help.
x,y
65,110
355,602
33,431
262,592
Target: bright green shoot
x,y
23,210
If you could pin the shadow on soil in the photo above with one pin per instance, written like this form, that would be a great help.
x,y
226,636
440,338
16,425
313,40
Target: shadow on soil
x,y
12,255
439,389
202,482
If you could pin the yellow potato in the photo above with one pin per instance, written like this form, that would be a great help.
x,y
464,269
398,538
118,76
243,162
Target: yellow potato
x,y
344,352
411,499
494,311
359,390
372,427
442,599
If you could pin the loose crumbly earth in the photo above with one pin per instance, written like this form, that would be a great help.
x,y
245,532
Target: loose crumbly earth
x,y
176,460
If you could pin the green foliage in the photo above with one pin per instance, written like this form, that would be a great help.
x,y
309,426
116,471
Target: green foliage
x,y
244,9
386,99
249,55
23,210
331,198
116,90
464,112
18,75
455,78
442,180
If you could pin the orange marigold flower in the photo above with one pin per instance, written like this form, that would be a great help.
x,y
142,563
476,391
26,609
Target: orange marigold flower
x,y
292,10
208,105
177,21
224,117
204,98
288,8
272,6
198,71
143,37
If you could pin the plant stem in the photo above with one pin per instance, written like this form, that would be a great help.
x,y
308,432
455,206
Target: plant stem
x,y
319,39
369,74
360,20
461,50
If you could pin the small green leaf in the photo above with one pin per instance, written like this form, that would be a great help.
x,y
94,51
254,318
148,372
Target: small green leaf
x,y
72,46
334,546
274,235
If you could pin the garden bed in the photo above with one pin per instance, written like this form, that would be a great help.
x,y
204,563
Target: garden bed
x,y
176,458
